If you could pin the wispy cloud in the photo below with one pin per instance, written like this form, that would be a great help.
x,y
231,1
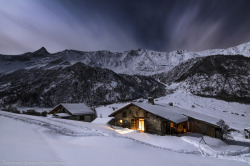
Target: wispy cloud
x,y
122,25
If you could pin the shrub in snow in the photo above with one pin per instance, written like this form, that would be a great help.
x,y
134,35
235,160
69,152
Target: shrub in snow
x,y
170,104
193,106
12,109
44,113
32,112
16,111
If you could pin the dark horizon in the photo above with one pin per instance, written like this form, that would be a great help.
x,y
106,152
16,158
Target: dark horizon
x,y
120,25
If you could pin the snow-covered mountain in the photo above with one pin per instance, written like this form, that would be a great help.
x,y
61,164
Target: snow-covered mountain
x,y
43,79
141,61
220,76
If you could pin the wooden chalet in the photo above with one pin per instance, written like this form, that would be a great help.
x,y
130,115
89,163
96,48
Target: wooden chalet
x,y
73,111
163,120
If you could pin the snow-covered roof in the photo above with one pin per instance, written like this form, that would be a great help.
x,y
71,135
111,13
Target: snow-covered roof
x,y
77,108
199,116
248,129
102,120
158,110
175,114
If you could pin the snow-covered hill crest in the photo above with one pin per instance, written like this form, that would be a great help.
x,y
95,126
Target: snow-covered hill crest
x,y
141,61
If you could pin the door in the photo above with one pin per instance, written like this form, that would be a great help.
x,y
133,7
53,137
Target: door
x,y
167,127
141,124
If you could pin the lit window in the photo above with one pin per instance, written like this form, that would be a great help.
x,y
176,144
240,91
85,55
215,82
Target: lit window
x,y
172,124
120,121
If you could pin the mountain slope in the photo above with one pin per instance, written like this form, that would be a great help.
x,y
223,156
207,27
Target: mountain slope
x,y
45,87
219,76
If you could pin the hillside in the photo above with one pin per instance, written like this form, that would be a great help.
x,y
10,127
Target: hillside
x,y
46,87
218,76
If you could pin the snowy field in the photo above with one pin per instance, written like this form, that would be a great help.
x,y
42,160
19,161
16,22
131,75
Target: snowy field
x,y
30,140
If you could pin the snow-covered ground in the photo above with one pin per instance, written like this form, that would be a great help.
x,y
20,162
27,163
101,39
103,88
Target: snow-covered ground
x,y
236,115
35,140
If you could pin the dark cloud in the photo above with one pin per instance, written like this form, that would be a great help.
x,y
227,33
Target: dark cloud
x,y
118,25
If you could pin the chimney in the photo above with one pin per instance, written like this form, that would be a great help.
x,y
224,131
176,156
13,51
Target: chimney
x,y
151,100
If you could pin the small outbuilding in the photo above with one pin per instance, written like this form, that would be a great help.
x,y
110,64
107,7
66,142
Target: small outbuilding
x,y
73,111
247,133
163,119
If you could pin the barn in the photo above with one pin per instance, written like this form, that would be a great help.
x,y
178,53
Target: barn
x,y
163,120
73,111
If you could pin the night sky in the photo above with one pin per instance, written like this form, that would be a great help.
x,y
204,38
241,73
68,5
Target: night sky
x,y
119,25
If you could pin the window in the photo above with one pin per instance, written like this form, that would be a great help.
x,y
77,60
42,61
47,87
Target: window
x,y
120,121
124,114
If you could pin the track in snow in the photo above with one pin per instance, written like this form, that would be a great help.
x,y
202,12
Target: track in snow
x,y
72,129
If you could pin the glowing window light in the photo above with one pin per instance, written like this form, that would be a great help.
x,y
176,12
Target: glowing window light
x,y
141,125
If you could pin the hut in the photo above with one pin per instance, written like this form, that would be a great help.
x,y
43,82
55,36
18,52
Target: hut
x,y
73,111
247,133
164,119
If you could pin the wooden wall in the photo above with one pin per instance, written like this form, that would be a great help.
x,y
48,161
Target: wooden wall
x,y
152,123
197,126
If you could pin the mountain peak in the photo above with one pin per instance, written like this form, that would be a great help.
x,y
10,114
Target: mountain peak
x,y
42,50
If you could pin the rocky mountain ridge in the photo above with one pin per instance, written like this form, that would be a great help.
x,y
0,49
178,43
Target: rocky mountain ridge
x,y
140,62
